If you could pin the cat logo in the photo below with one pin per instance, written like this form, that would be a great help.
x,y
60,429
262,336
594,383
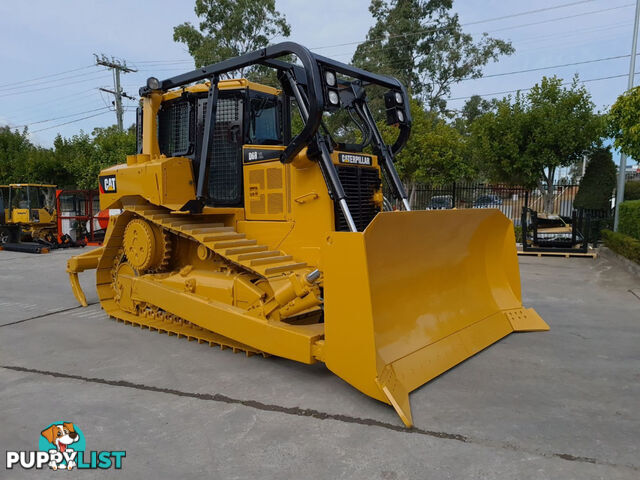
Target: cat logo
x,y
108,184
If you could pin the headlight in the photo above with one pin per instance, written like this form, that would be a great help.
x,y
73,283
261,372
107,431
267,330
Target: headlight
x,y
334,98
400,116
330,78
153,83
399,98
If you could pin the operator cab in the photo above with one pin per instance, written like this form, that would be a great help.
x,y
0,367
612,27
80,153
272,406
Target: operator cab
x,y
29,203
247,113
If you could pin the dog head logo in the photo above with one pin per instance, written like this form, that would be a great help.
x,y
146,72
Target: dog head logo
x,y
61,435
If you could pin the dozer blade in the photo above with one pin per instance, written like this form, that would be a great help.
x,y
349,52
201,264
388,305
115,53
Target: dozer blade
x,y
417,293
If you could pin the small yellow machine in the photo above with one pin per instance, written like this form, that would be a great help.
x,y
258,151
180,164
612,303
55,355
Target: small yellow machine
x,y
28,210
234,232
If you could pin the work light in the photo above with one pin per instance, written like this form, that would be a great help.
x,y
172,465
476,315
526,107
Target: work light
x,y
394,103
153,83
331,94
330,78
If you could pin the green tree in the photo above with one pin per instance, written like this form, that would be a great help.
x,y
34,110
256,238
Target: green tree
x,y
598,183
23,162
84,156
435,153
472,109
632,190
624,124
525,140
229,28
14,148
423,45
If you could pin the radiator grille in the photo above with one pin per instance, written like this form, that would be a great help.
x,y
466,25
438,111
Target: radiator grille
x,y
359,183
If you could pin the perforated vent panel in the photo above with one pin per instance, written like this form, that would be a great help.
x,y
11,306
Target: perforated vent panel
x,y
257,202
274,178
265,192
275,202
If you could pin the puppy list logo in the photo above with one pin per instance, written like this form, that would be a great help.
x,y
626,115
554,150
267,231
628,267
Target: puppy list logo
x,y
62,447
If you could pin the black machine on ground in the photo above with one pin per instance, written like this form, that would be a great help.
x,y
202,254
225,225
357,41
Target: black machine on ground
x,y
555,233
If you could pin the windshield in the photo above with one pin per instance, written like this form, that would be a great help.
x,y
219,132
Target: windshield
x,y
19,197
264,127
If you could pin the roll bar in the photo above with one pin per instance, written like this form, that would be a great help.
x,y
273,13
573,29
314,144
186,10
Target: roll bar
x,y
310,76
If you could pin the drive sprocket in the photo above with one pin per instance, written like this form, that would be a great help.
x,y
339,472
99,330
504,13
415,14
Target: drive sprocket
x,y
139,244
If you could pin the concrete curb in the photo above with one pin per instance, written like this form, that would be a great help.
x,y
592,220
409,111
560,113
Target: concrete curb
x,y
628,265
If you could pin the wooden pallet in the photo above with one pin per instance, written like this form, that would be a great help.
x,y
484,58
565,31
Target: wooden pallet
x,y
590,254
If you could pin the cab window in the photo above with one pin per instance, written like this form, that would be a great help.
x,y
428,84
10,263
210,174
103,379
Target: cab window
x,y
19,198
264,121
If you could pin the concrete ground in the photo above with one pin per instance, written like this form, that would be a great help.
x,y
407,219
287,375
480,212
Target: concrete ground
x,y
560,405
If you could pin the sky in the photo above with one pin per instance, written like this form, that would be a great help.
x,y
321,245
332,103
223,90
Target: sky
x,y
50,81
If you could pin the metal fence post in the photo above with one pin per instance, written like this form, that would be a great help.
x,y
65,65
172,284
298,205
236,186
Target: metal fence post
x,y
453,195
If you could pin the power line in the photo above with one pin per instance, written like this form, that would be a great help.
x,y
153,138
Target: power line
x,y
513,26
72,121
53,83
430,30
557,19
529,12
170,62
527,89
573,32
49,87
59,118
535,38
58,99
595,60
564,43
47,76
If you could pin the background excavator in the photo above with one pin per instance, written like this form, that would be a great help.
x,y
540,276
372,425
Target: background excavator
x,y
237,232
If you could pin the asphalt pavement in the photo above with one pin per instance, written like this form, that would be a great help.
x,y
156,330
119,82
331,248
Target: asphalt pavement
x,y
561,404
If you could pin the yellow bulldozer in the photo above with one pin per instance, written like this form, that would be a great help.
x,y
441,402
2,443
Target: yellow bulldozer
x,y
234,230
27,212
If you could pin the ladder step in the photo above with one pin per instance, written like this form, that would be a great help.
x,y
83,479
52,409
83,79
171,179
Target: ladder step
x,y
234,243
160,216
270,260
208,229
239,250
147,210
187,226
179,222
284,268
261,254
222,236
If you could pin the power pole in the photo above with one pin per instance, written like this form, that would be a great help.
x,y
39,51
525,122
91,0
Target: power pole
x,y
116,67
623,157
